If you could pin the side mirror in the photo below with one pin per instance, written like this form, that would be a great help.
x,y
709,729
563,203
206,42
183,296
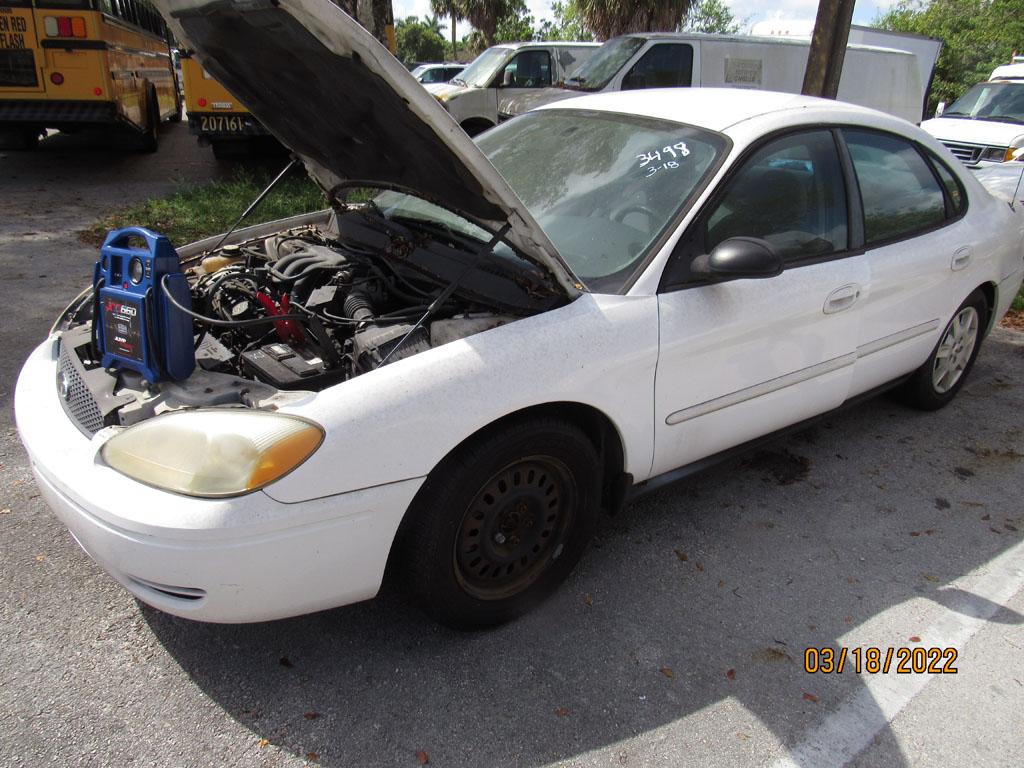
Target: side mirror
x,y
507,78
940,108
738,258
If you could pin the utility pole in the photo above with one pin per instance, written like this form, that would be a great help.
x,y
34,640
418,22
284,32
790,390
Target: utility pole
x,y
828,48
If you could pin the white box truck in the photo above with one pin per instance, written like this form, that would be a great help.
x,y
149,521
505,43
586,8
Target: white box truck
x,y
887,79
478,98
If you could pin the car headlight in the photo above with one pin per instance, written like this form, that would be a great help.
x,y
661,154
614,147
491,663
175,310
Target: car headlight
x,y
213,453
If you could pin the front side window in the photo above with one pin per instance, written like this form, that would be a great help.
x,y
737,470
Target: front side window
x,y
530,69
603,186
666,65
790,193
898,191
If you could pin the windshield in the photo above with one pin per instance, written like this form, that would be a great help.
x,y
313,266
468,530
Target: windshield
x,y
603,186
595,73
1000,102
484,67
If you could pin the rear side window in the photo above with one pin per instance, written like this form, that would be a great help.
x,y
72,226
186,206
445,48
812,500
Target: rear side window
x,y
898,190
666,65
953,189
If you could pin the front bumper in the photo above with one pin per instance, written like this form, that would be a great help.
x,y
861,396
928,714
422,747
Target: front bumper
x,y
249,558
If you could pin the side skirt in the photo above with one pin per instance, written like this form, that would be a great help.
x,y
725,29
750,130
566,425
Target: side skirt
x,y
681,473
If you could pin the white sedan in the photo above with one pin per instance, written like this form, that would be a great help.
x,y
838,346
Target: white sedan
x,y
452,374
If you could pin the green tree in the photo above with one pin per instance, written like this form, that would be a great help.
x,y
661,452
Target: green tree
x,y
567,24
977,35
453,10
608,18
485,15
417,41
711,17
514,28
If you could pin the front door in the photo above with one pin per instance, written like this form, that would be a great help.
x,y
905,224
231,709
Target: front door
x,y
744,358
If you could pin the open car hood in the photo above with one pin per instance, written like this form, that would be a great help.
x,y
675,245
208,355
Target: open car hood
x,y
336,97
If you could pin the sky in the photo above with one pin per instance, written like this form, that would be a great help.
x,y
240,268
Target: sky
x,y
750,10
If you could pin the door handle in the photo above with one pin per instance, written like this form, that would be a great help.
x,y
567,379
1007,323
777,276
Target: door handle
x,y
961,258
841,298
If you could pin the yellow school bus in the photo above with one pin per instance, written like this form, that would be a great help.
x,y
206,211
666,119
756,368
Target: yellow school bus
x,y
215,117
73,64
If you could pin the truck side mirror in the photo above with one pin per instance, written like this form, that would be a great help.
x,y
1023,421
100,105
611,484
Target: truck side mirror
x,y
940,108
508,78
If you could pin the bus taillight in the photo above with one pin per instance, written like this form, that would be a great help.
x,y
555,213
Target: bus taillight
x,y
64,26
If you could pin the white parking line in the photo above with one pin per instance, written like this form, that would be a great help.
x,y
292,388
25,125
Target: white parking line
x,y
846,732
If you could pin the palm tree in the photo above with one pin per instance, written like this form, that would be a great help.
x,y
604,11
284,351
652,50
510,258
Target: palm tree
x,y
485,14
451,8
608,18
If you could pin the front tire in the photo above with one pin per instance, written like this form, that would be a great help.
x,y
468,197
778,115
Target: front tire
x,y
501,523
937,382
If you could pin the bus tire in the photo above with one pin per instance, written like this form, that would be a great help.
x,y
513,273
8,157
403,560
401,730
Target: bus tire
x,y
176,116
149,141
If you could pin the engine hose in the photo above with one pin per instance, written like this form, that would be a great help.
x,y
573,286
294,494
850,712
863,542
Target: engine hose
x,y
358,306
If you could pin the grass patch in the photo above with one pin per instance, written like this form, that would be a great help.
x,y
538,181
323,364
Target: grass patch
x,y
1018,302
196,211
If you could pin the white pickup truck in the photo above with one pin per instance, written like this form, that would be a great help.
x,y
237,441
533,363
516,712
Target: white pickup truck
x,y
478,98
986,124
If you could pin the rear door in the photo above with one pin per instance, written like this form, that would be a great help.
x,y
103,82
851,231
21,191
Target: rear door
x,y
20,59
919,249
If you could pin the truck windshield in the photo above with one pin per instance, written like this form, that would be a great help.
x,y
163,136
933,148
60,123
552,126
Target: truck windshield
x,y
483,69
998,102
595,73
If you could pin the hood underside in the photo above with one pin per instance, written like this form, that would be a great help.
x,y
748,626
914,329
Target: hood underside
x,y
331,93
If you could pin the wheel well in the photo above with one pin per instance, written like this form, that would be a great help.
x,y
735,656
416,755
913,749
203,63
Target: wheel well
x,y
989,290
475,125
598,428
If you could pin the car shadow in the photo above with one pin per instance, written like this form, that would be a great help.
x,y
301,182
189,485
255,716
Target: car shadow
x,y
700,598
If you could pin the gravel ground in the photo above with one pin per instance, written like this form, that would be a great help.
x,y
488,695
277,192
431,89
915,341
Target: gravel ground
x,y
678,641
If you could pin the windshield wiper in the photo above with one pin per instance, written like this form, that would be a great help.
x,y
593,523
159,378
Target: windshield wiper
x,y
458,81
955,114
1002,118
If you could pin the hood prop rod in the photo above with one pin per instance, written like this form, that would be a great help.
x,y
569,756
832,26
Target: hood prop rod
x,y
259,199
450,289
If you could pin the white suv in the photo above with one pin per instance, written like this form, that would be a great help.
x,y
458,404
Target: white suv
x,y
986,124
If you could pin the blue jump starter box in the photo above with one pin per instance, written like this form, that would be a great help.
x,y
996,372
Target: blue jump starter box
x,y
137,326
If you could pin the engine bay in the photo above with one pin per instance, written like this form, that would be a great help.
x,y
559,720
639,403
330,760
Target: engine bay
x,y
281,315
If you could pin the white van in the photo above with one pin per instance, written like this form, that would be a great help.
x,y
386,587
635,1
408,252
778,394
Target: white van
x,y
478,97
986,124
883,78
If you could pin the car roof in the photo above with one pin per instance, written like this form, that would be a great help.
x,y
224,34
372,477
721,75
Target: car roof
x,y
546,44
713,108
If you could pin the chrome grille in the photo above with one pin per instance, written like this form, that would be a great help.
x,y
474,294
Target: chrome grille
x,y
967,153
78,401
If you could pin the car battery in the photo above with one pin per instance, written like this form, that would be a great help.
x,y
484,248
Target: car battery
x,y
137,326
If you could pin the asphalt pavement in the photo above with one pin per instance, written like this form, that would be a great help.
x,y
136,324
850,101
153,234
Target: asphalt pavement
x,y
680,639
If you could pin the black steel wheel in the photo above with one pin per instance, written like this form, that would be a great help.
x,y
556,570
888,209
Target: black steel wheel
x,y
500,523
514,526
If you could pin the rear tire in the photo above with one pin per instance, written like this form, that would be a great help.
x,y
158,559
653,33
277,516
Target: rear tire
x,y
937,382
500,523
